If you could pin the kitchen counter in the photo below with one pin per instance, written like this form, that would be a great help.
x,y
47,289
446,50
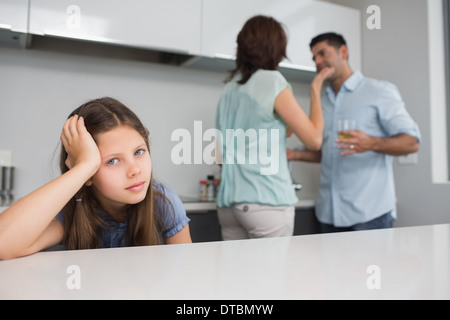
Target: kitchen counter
x,y
195,205
399,263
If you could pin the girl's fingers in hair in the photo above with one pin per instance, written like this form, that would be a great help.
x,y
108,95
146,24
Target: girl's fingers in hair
x,y
70,134
65,133
79,144
81,128
73,126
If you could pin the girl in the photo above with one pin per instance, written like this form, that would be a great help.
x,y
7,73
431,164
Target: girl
x,y
106,195
257,98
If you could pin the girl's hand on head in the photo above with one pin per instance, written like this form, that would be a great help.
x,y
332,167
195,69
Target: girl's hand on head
x,y
79,145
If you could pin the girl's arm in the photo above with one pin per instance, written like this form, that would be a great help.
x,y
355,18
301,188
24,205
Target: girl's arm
x,y
29,225
308,129
183,236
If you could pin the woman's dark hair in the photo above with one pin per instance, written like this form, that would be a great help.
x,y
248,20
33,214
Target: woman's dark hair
x,y
261,44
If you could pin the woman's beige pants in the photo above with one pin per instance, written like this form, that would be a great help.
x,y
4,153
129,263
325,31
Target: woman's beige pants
x,y
247,221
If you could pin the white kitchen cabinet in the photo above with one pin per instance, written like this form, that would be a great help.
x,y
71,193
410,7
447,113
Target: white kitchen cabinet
x,y
303,19
14,22
170,25
14,15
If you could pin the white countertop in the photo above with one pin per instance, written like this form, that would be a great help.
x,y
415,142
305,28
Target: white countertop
x,y
399,263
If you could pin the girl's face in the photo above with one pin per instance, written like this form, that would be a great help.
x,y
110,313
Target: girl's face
x,y
126,168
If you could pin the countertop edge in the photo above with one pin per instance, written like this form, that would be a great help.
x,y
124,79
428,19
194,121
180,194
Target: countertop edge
x,y
211,206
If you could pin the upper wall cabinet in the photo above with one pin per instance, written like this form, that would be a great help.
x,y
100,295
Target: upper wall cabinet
x,y
13,22
14,15
303,19
205,30
173,25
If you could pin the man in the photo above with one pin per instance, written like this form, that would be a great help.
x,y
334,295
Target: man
x,y
356,179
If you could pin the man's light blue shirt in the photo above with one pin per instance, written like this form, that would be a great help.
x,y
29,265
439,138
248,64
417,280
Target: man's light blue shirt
x,y
360,187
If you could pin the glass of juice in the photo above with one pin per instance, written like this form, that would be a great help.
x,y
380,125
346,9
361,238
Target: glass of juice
x,y
345,124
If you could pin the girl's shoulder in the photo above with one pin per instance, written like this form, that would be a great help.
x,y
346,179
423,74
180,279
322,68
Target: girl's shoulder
x,y
170,210
162,188
169,194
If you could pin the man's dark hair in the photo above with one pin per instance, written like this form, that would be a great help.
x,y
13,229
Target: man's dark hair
x,y
333,39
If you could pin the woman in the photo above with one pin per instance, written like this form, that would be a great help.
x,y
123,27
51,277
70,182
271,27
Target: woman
x,y
256,197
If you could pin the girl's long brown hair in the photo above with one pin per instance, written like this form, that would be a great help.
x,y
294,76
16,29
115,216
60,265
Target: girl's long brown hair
x,y
261,44
82,222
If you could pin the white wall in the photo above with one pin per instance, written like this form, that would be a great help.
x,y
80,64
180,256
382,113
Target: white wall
x,y
40,86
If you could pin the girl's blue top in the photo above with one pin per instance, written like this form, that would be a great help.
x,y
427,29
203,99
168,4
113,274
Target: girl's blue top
x,y
173,218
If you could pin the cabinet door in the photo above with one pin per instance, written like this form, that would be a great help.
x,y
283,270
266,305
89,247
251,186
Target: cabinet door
x,y
204,226
303,19
172,25
306,222
14,15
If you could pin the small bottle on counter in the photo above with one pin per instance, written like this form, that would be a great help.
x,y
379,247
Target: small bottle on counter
x,y
203,190
210,188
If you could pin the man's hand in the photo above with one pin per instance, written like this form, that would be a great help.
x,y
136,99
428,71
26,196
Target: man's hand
x,y
398,145
359,142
